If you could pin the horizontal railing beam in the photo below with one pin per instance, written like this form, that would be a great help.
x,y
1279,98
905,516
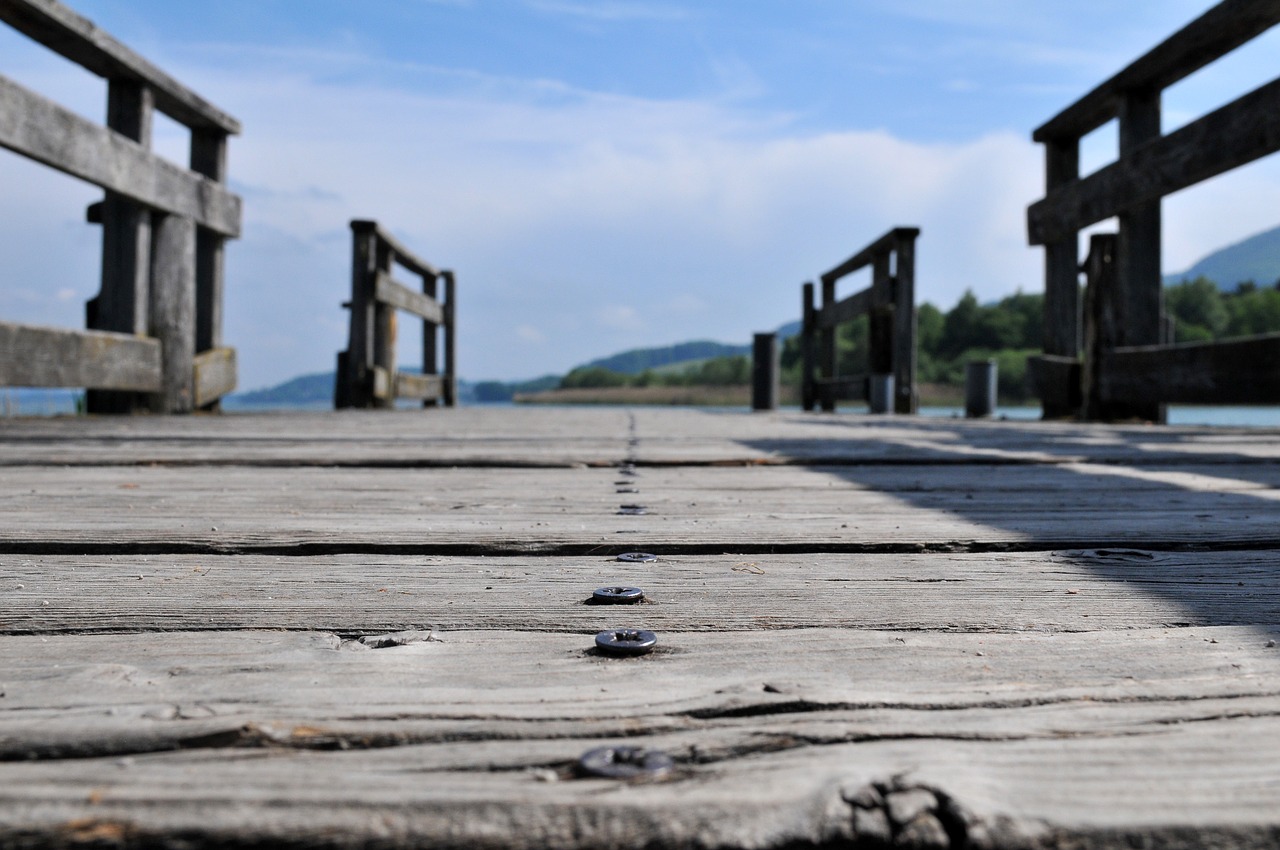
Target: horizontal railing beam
x,y
867,255
215,375
845,310
32,356
1244,130
844,387
1233,371
78,39
36,127
403,255
1215,33
387,290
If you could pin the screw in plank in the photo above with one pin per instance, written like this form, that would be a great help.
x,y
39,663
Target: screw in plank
x,y
624,763
625,641
617,595
632,510
637,557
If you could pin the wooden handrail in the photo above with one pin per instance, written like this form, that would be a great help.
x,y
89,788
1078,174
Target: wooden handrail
x,y
60,29
890,305
367,375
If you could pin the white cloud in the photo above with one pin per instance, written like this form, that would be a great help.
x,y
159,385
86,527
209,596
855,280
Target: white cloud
x,y
529,333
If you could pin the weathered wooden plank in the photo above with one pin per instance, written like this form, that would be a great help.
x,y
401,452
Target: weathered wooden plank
x,y
215,374
1218,31
864,257
36,127
1232,371
687,510
390,291
844,310
1081,590
403,255
409,385
593,436
1240,132
32,356
60,29
1103,736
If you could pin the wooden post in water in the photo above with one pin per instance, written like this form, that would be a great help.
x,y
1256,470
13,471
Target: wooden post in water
x,y
764,372
808,328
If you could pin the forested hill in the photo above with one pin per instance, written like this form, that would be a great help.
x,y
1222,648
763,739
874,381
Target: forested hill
x,y
1256,260
637,360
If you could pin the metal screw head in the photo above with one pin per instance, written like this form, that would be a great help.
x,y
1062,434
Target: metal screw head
x,y
625,641
618,595
632,510
629,471
624,762
637,557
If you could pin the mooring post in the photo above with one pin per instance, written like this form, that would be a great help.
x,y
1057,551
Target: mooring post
x,y
764,372
980,381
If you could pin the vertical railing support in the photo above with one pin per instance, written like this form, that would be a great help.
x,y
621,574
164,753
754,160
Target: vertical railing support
x,y
450,338
906,395
808,332
173,307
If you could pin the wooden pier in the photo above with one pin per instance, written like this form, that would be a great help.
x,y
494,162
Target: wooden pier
x,y
371,629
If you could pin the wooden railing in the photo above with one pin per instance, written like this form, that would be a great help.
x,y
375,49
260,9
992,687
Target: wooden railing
x,y
155,338
367,375
889,304
1133,369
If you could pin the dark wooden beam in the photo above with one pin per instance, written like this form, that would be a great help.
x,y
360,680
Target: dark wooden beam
x,y
1240,132
1235,371
1218,31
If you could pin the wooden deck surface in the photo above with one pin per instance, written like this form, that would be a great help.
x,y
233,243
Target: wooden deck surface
x,y
372,630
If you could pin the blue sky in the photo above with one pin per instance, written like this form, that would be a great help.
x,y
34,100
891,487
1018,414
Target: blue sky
x,y
613,174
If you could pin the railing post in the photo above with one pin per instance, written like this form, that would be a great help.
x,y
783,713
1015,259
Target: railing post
x,y
906,395
1105,319
450,339
764,372
122,302
384,331
1138,246
209,157
354,383
1061,277
829,350
807,343
880,321
430,359
173,307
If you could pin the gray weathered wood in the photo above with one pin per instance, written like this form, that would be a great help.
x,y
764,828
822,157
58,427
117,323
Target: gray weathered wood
x,y
388,290
32,356
173,307
404,256
1218,31
38,128
409,385
60,29
1037,592
209,157
289,510
215,375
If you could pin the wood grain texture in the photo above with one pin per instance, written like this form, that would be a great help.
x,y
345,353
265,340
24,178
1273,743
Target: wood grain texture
x,y
372,630
32,356
718,509
42,130
1099,737
1085,590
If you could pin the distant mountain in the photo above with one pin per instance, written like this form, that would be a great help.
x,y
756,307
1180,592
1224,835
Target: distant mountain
x,y
302,390
1256,258
636,360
